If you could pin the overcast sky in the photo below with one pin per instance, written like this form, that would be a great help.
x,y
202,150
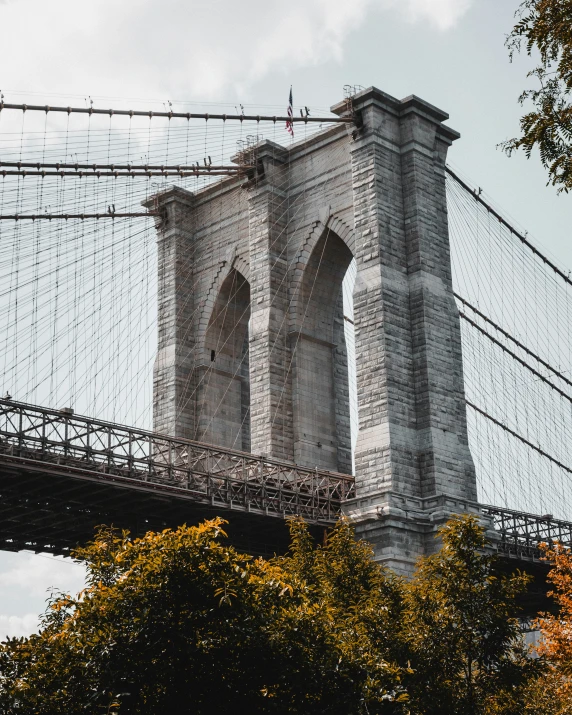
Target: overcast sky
x,y
450,52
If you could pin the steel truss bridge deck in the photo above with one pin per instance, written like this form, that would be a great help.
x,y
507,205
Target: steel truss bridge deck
x,y
519,533
61,475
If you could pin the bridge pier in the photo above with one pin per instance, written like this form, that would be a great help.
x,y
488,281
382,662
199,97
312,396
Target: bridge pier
x,y
270,357
413,465
288,235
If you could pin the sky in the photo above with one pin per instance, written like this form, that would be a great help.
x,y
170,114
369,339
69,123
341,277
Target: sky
x,y
449,52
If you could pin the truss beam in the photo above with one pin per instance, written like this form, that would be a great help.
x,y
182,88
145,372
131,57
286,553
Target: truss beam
x,y
36,438
61,475
520,533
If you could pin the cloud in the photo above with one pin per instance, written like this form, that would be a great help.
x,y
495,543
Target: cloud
x,y
304,34
39,572
300,33
444,14
191,48
15,626
238,44
25,582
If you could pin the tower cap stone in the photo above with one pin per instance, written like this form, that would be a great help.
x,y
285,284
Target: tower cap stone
x,y
398,107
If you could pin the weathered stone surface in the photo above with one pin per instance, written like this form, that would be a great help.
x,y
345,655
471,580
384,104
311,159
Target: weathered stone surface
x,y
263,261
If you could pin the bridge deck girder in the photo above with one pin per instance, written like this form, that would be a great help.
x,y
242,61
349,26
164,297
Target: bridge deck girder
x,y
62,475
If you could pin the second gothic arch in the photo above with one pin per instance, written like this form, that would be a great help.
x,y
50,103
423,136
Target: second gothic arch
x,y
324,224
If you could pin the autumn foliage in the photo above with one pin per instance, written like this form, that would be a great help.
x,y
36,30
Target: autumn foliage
x,y
180,622
465,641
555,646
544,31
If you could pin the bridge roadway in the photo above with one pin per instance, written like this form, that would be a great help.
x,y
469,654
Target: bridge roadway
x,y
61,475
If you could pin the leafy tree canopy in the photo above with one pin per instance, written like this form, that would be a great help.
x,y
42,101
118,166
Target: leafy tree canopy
x,y
467,653
544,29
552,694
179,622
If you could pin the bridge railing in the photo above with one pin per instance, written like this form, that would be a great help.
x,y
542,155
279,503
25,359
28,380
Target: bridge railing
x,y
206,473
521,533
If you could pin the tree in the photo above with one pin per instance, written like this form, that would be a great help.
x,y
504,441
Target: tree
x,y
364,603
467,653
179,622
544,27
554,692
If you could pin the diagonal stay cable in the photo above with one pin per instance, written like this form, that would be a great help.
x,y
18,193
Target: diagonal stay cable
x,y
515,357
511,228
498,423
509,337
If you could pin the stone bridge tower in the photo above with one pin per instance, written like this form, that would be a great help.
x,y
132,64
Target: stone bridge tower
x,y
252,352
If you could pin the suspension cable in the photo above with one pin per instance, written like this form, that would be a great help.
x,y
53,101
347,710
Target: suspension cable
x,y
515,357
49,217
196,167
476,195
507,335
118,174
176,115
518,436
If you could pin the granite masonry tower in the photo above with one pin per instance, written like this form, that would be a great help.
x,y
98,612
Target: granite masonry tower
x,y
252,353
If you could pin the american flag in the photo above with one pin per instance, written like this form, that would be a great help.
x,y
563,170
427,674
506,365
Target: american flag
x,y
290,110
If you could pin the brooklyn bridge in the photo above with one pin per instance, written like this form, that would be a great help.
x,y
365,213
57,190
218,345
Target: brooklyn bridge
x,y
334,324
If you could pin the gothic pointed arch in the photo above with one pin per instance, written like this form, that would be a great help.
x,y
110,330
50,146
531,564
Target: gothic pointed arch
x,y
325,223
233,261
322,434
224,387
